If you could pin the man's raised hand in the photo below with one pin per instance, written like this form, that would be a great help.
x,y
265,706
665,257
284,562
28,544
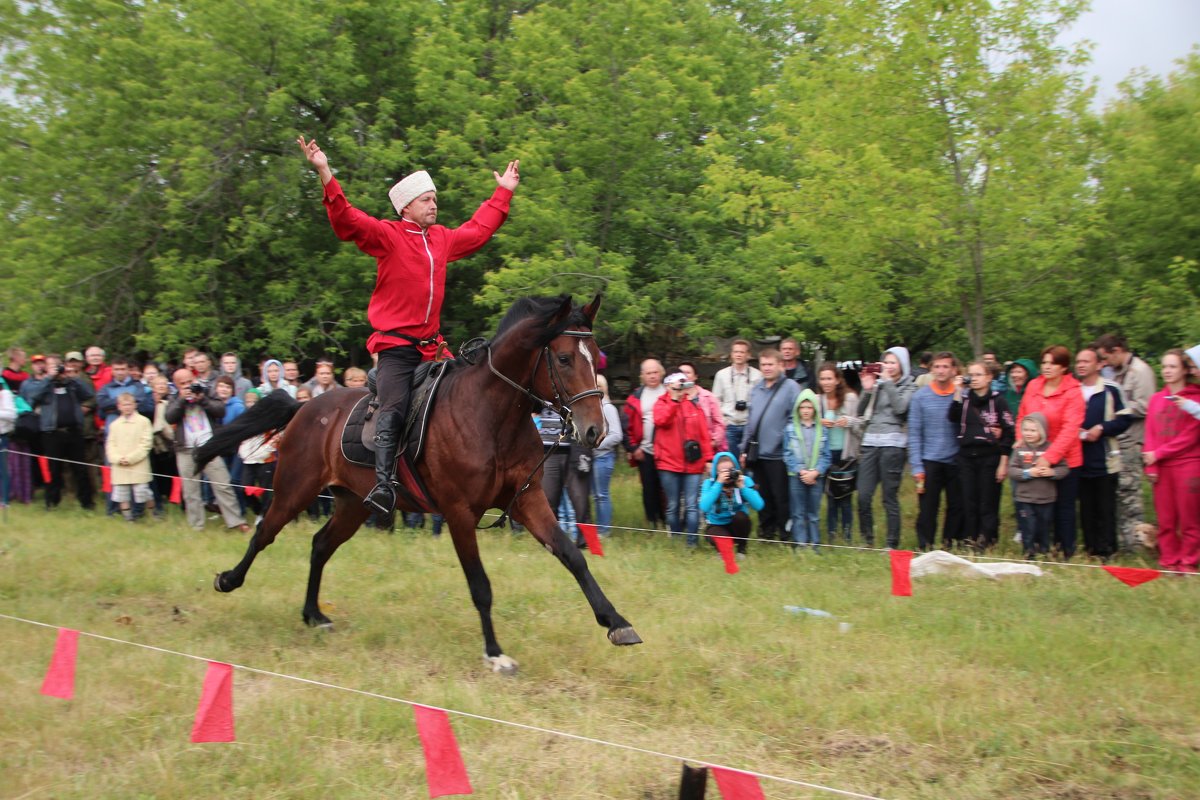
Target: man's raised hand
x,y
315,157
511,176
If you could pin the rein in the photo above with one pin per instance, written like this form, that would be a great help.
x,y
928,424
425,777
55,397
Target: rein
x,y
561,407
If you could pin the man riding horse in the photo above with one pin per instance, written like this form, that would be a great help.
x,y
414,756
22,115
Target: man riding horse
x,y
406,306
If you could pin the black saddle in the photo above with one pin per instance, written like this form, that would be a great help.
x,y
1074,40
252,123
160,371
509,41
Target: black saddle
x,y
358,437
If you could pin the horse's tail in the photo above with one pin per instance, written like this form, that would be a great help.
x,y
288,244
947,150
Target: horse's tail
x,y
271,413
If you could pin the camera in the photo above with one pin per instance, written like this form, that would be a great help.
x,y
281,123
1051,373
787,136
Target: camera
x,y
965,380
197,388
739,405
872,369
59,369
734,477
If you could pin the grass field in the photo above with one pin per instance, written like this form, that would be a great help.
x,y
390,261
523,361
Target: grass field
x,y
1070,686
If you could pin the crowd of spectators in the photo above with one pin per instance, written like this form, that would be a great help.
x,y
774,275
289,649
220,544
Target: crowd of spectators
x,y
1074,435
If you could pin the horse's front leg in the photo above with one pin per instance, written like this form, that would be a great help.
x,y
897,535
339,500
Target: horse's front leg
x,y
462,524
533,511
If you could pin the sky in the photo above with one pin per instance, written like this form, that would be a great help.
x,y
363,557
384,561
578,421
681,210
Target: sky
x,y
1128,34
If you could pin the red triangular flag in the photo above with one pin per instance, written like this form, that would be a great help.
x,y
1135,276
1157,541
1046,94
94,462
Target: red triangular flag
x,y
60,676
725,548
105,479
444,770
44,463
901,583
591,537
214,714
176,490
735,785
1133,576
254,491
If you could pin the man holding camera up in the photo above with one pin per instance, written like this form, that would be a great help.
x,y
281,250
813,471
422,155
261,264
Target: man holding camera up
x,y
771,402
682,449
59,399
195,414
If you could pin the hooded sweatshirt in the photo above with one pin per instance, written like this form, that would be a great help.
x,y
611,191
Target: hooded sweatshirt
x,y
1011,395
718,505
805,446
887,407
241,384
266,387
1026,488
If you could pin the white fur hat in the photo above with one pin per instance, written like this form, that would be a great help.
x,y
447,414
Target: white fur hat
x,y
1194,354
410,189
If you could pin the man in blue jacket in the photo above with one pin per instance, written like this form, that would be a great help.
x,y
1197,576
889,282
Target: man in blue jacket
x,y
59,399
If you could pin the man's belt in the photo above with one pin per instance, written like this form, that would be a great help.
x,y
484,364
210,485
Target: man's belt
x,y
412,339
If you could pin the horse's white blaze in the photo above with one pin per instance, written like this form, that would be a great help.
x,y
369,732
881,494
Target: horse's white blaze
x,y
588,355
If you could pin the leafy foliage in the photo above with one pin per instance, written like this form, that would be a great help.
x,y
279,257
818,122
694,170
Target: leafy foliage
x,y
856,174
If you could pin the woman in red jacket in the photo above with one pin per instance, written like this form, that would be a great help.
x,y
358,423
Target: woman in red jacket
x,y
1056,394
682,448
1172,458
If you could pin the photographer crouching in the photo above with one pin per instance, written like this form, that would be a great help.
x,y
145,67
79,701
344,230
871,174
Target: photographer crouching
x,y
725,498
682,449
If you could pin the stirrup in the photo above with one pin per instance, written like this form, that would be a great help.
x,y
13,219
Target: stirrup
x,y
372,502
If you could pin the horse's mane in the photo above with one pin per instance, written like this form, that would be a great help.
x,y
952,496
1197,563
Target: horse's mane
x,y
538,312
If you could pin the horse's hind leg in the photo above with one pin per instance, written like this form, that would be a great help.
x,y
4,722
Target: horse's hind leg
x,y
348,516
285,505
533,511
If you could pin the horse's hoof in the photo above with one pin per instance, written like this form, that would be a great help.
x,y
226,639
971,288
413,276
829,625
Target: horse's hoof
x,y
219,583
622,636
501,663
318,621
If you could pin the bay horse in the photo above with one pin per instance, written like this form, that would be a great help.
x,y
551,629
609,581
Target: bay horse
x,y
482,451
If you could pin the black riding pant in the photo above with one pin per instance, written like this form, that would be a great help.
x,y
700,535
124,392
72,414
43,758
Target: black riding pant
x,y
393,379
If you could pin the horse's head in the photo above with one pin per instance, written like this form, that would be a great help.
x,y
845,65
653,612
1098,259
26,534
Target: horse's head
x,y
552,338
570,378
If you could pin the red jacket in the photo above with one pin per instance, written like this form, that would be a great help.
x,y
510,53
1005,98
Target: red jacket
x,y
410,280
676,421
1172,435
1064,411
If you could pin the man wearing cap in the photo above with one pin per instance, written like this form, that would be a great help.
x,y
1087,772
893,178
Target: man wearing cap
x,y
405,309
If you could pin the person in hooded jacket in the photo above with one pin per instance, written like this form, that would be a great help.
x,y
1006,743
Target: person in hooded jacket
x,y
272,378
1017,376
1105,418
882,411
807,457
1057,396
231,365
682,448
985,431
726,498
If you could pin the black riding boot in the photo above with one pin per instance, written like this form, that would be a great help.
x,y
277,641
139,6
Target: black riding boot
x,y
383,497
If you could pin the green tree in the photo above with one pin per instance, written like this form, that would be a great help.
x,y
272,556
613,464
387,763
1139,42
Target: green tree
x,y
1144,258
922,170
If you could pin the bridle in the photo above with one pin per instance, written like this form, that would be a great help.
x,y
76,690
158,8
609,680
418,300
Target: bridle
x,y
469,351
557,385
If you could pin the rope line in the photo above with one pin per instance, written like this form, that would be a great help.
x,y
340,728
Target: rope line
x,y
467,714
702,534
